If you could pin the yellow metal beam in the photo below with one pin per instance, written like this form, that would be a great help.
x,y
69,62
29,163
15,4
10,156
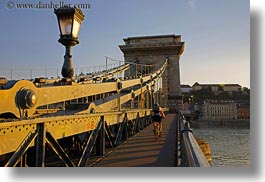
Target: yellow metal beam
x,y
10,98
13,133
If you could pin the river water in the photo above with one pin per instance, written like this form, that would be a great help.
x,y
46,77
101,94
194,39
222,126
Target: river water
x,y
230,145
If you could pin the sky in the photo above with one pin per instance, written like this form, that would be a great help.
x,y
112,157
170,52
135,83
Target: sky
x,y
216,35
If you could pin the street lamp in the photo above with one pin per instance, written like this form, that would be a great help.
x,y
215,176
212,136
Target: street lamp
x,y
192,98
69,20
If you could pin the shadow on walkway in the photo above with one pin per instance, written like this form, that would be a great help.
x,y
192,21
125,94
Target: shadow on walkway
x,y
144,150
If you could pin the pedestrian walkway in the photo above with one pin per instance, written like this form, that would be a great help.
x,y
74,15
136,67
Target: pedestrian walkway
x,y
144,150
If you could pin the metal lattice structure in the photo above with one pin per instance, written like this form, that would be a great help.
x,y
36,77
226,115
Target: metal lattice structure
x,y
74,119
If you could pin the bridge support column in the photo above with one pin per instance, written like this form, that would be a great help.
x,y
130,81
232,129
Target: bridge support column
x,y
153,50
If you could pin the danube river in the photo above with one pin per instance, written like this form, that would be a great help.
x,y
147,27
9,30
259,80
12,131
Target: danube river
x,y
229,145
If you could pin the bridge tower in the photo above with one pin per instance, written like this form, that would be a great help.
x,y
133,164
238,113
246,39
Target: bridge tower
x,y
153,50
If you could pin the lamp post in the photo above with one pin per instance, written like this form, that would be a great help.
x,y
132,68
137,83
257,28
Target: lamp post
x,y
192,105
69,21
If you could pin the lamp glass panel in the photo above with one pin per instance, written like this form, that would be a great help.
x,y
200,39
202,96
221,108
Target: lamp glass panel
x,y
76,28
66,26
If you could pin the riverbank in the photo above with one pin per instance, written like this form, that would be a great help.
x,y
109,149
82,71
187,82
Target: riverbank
x,y
241,123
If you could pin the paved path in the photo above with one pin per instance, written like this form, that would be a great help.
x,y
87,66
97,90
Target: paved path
x,y
144,150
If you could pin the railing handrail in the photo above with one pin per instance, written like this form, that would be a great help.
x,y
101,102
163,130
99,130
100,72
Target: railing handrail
x,y
193,153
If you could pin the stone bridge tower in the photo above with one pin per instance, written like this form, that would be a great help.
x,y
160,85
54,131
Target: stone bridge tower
x,y
153,50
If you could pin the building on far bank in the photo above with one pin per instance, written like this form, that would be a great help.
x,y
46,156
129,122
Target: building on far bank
x,y
216,88
219,110
186,88
186,109
243,110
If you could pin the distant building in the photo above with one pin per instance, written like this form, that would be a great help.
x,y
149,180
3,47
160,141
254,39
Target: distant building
x,y
243,110
217,88
186,88
219,110
198,106
186,108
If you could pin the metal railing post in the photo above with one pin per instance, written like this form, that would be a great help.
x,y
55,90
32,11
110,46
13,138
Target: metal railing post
x,y
40,145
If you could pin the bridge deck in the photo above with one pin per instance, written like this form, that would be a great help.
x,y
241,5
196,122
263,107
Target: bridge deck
x,y
144,150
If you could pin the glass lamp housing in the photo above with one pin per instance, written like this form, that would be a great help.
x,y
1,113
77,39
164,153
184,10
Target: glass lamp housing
x,y
69,20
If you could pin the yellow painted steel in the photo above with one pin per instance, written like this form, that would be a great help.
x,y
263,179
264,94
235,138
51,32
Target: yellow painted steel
x,y
13,133
64,124
56,94
52,94
49,95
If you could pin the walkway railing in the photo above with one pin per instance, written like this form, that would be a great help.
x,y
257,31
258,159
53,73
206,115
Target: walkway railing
x,y
31,73
74,138
191,153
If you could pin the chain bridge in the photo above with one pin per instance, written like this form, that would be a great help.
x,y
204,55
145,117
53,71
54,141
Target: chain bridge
x,y
49,122
99,118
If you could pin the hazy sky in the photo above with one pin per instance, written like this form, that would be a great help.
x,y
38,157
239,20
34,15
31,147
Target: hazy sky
x,y
216,35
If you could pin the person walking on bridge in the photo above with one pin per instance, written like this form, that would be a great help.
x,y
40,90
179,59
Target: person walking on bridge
x,y
157,116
